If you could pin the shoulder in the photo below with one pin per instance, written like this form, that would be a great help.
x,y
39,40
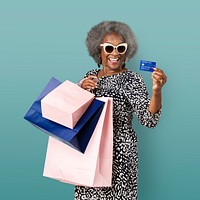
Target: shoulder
x,y
92,72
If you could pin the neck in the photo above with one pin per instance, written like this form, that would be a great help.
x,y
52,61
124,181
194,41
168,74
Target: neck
x,y
108,72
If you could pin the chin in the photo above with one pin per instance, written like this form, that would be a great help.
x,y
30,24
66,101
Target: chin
x,y
115,67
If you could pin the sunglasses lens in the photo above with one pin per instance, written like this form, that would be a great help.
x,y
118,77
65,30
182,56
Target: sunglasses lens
x,y
109,49
121,49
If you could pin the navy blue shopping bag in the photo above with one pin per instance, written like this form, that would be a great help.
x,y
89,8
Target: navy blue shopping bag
x,y
79,136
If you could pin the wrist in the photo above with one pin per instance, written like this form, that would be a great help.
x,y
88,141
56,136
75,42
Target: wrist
x,y
156,93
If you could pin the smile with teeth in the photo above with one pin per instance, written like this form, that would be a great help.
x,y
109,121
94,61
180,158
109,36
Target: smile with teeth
x,y
114,59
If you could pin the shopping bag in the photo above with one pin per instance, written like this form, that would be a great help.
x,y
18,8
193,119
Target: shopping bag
x,y
66,104
79,136
94,167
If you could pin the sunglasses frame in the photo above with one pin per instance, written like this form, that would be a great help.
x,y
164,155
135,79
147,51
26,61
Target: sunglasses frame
x,y
104,45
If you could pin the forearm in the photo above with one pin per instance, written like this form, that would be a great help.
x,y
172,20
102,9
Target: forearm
x,y
156,102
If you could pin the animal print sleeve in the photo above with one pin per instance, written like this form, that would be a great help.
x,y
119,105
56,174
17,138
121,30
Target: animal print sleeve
x,y
137,95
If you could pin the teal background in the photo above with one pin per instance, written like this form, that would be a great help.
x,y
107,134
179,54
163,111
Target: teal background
x,y
41,39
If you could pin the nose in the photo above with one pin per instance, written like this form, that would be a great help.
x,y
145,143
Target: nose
x,y
115,52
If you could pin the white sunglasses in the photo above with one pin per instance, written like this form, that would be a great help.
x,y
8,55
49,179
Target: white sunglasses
x,y
109,48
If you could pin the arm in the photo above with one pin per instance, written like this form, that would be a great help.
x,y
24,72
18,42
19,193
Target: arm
x,y
159,79
137,96
155,104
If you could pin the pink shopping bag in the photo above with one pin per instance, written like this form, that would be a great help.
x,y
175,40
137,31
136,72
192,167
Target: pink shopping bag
x,y
66,104
94,167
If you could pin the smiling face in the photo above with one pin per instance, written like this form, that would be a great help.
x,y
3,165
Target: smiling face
x,y
112,61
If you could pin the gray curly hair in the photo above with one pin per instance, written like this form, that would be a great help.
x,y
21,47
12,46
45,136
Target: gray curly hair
x,y
97,32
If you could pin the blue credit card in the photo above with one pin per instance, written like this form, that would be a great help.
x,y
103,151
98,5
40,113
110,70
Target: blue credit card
x,y
146,65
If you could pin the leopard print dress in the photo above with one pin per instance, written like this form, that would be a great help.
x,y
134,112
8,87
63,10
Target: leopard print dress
x,y
129,96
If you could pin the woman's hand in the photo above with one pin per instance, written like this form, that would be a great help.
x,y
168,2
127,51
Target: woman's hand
x,y
159,79
89,83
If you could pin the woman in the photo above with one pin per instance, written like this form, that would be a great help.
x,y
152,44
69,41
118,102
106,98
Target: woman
x,y
112,44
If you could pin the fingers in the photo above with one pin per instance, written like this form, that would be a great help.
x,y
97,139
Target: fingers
x,y
90,83
94,78
159,76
